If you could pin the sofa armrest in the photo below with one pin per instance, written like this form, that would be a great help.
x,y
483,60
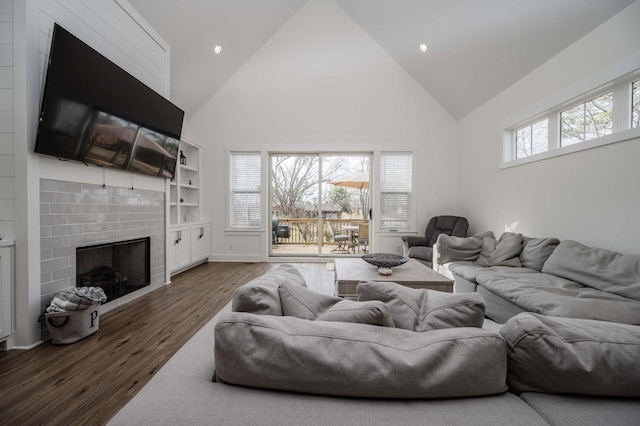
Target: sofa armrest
x,y
415,241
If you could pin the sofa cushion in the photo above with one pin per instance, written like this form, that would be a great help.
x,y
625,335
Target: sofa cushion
x,y
421,252
536,251
563,355
260,295
470,270
584,410
303,303
466,269
555,296
358,360
424,310
598,268
503,252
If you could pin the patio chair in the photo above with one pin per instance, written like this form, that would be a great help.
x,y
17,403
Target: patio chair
x,y
342,238
363,236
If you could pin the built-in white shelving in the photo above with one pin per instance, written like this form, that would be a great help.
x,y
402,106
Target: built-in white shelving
x,y
184,189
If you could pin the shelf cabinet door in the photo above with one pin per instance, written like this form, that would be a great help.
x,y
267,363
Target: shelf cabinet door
x,y
179,254
200,240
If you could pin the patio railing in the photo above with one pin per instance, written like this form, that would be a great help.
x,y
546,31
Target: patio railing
x,y
305,231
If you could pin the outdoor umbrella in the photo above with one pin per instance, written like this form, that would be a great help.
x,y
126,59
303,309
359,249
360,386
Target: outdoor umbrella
x,y
359,181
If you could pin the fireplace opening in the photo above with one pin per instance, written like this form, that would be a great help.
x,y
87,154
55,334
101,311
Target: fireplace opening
x,y
118,268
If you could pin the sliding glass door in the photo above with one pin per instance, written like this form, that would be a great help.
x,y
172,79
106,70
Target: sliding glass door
x,y
320,204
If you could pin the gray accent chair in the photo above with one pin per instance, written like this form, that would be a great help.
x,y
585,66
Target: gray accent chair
x,y
421,248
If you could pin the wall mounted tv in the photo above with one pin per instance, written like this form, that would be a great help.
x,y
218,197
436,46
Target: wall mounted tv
x,y
95,112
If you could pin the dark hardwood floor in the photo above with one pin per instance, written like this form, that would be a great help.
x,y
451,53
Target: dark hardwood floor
x,y
88,382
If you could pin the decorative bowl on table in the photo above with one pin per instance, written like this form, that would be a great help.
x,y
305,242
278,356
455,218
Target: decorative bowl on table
x,y
385,261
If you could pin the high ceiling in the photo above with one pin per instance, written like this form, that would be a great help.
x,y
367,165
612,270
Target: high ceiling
x,y
476,48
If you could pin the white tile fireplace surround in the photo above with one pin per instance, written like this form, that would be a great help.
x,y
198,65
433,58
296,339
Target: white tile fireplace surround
x,y
77,214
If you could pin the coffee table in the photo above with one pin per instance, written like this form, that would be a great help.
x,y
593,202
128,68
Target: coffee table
x,y
350,271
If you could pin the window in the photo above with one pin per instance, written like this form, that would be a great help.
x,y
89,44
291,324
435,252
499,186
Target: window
x,y
532,139
588,120
635,104
395,191
607,114
245,179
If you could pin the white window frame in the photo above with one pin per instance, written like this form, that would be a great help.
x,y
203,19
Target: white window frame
x,y
583,107
637,82
380,189
530,126
230,192
622,129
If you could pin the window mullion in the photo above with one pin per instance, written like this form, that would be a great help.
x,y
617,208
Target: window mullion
x,y
584,122
621,107
554,131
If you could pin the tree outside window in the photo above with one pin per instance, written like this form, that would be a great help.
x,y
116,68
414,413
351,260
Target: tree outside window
x,y
532,139
589,120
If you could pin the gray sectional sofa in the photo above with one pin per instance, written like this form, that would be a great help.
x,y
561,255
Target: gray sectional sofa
x,y
420,357
516,274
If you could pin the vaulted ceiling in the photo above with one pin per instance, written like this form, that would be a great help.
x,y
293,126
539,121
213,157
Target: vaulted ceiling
x,y
476,48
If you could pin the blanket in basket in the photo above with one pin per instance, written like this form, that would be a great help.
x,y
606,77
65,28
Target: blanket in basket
x,y
76,298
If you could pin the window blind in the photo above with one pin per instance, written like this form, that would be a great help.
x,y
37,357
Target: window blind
x,y
245,190
395,191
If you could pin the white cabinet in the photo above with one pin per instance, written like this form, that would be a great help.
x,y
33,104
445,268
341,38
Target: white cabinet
x,y
184,189
188,239
6,286
179,247
200,239
188,246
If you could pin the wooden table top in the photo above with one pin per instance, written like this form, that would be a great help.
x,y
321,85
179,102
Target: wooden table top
x,y
354,270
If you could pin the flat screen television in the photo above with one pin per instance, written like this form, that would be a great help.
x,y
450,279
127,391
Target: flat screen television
x,y
95,112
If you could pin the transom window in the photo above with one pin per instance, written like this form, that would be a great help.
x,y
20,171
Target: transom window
x,y
589,120
532,139
603,116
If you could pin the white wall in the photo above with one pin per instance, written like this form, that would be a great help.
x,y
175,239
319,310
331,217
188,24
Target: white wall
x,y
7,193
322,84
113,28
591,196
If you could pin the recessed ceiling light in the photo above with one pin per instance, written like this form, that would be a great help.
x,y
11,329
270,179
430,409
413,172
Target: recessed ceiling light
x,y
423,47
217,49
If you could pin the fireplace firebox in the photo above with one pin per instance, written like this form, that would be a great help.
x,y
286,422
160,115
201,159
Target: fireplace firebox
x,y
118,268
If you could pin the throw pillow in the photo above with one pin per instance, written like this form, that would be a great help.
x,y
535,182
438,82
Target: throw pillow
x,y
457,249
568,355
303,303
504,252
373,312
260,296
602,269
536,251
424,310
